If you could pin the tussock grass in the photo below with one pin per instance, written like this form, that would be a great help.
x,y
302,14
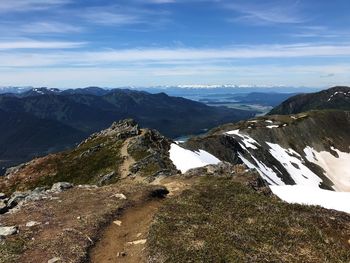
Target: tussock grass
x,y
220,220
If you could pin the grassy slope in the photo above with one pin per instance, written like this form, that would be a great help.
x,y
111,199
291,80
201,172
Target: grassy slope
x,y
82,165
220,220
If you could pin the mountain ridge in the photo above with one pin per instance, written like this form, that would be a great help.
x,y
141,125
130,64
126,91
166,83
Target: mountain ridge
x,y
334,98
85,113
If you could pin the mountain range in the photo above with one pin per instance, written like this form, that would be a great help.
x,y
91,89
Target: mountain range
x,y
40,120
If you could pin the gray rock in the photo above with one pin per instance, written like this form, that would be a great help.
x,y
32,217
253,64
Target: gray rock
x,y
13,170
54,260
61,186
32,223
106,178
3,207
8,230
120,196
16,198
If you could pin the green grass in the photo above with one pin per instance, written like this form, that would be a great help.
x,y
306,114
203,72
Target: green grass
x,y
76,168
220,220
11,249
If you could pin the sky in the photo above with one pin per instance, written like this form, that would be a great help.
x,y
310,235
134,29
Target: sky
x,y
78,43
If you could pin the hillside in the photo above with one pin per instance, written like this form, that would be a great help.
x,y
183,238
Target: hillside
x,y
130,194
75,114
334,98
105,157
24,136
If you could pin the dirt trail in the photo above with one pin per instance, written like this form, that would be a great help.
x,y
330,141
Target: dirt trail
x,y
126,243
125,239
128,160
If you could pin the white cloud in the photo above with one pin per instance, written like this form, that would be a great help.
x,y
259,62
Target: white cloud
x,y
159,55
8,6
305,75
267,12
33,44
45,27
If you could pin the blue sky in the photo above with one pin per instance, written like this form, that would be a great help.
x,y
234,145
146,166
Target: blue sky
x,y
77,43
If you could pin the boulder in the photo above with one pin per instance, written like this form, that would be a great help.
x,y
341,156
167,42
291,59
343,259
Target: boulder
x,y
120,196
2,196
106,178
54,260
16,198
8,230
32,223
61,186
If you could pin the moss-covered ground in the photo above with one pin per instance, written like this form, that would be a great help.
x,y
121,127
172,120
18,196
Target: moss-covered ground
x,y
220,220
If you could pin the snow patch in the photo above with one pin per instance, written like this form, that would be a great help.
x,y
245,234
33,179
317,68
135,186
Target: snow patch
x,y
272,126
293,164
306,195
337,169
265,172
185,160
338,92
247,140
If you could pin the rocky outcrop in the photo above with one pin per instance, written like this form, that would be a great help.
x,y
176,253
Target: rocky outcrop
x,y
17,199
61,186
119,130
151,154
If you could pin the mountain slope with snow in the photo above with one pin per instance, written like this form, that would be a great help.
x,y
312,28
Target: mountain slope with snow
x,y
337,98
304,151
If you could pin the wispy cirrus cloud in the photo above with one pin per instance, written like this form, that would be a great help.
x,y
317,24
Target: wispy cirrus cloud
x,y
207,74
110,57
320,32
267,12
9,6
48,27
35,44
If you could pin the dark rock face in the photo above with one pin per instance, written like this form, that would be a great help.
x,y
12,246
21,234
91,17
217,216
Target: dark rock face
x,y
337,98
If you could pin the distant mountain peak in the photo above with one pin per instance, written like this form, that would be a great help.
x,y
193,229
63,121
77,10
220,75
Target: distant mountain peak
x,y
336,98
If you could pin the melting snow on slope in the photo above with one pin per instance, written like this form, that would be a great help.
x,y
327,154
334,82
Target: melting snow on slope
x,y
272,126
307,195
291,161
265,172
185,160
338,92
337,169
248,141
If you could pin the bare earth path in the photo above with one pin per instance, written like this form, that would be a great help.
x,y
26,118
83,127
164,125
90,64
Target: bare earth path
x,y
125,239
128,160
125,243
